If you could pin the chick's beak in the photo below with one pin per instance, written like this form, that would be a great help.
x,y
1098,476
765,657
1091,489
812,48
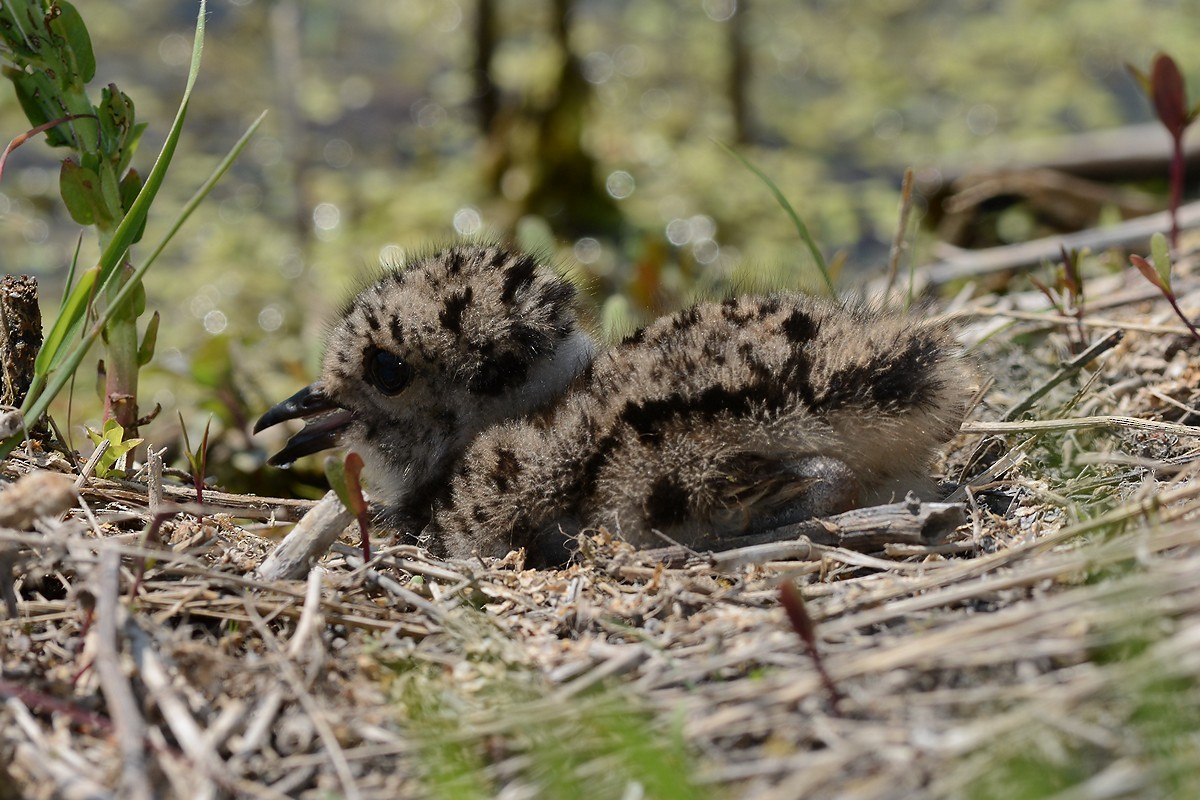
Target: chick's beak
x,y
324,423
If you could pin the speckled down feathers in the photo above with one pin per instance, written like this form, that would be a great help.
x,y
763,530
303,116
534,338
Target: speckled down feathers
x,y
515,431
705,422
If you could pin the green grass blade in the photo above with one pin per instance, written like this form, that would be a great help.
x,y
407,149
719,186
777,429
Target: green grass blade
x,y
801,228
70,318
71,272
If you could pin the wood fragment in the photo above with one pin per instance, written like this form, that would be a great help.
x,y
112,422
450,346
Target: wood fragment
x,y
20,336
959,264
154,484
293,557
123,707
860,529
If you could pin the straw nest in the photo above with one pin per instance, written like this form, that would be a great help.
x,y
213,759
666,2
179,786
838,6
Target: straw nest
x,y
1047,645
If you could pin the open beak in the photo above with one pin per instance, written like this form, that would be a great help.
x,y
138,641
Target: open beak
x,y
324,422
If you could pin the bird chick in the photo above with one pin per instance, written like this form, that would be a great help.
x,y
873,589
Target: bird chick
x,y
489,420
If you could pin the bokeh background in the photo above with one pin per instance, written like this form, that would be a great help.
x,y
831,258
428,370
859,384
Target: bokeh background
x,y
587,129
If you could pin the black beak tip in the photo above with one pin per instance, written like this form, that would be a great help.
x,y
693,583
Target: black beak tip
x,y
324,424
304,403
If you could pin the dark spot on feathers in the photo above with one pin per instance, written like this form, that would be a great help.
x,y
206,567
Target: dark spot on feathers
x,y
452,313
902,381
496,375
686,319
768,306
667,502
371,317
519,275
556,294
800,327
507,467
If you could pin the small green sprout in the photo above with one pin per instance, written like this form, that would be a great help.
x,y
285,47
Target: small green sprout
x,y
197,459
118,448
1159,274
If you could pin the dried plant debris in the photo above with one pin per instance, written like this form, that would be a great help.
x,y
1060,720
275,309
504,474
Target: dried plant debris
x,y
1047,644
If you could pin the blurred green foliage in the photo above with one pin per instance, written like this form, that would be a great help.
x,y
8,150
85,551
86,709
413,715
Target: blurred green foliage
x,y
372,151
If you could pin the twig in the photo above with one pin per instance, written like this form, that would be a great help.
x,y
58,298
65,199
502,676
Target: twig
x,y
975,263
324,731
1071,368
860,529
619,662
1079,424
129,726
411,598
154,474
307,542
92,461
187,732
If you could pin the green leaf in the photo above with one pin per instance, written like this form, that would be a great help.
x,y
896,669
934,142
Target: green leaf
x,y
149,340
187,441
343,476
335,473
110,191
116,120
123,237
31,90
198,458
1162,258
80,189
131,144
1149,273
118,446
78,42
353,468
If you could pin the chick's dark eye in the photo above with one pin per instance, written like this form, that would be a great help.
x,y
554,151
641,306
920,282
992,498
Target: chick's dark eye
x,y
387,372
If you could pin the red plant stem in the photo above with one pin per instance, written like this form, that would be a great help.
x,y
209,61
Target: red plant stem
x,y
1178,166
1179,313
793,605
364,524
